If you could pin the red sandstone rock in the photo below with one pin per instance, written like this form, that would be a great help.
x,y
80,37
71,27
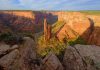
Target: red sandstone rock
x,y
47,31
76,25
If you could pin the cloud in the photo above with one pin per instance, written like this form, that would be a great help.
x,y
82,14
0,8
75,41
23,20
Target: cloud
x,y
50,4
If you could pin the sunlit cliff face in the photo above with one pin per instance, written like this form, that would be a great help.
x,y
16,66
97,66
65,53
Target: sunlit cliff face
x,y
27,14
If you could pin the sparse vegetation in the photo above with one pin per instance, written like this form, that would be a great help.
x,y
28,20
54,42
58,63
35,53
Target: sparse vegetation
x,y
26,34
57,26
78,40
10,38
53,45
91,12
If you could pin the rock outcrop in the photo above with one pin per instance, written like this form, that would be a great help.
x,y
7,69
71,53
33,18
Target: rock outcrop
x,y
5,49
76,25
19,57
47,31
94,38
7,60
28,55
82,57
24,57
79,25
89,53
78,57
51,62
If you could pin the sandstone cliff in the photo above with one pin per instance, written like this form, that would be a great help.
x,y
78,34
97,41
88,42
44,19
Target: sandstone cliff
x,y
76,24
27,14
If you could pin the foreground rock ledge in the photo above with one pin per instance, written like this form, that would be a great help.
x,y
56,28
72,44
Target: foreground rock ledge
x,y
19,58
51,62
82,57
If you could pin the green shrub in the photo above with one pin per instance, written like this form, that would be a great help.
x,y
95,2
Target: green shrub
x,y
79,40
10,38
26,34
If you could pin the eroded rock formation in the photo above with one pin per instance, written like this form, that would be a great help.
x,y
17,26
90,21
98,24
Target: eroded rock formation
x,y
79,25
47,31
76,25
95,36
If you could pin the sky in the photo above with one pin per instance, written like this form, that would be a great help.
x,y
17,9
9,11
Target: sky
x,y
49,4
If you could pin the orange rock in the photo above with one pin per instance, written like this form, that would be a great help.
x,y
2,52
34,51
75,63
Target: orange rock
x,y
27,14
47,31
76,25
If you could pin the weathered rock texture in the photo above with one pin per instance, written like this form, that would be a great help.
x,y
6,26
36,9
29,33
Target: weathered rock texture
x,y
76,25
51,62
78,57
79,25
7,60
22,57
82,57
28,55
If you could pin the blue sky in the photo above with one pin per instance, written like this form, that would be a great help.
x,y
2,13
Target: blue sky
x,y
49,4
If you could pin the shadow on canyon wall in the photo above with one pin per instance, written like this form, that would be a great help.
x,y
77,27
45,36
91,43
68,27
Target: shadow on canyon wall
x,y
91,36
35,25
19,23
39,17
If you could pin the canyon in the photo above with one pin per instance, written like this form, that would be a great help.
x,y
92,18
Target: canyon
x,y
52,40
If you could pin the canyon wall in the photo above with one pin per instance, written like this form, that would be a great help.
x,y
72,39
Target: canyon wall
x,y
79,25
76,23
27,14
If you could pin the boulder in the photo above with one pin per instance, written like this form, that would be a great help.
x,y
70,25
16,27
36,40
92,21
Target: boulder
x,y
51,62
90,53
82,57
20,57
28,59
14,47
4,48
72,60
7,60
